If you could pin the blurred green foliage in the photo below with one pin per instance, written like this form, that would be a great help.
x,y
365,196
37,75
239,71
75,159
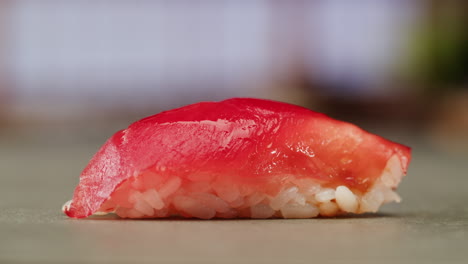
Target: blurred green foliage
x,y
438,55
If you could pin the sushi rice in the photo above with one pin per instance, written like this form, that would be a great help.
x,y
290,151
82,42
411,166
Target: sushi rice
x,y
208,196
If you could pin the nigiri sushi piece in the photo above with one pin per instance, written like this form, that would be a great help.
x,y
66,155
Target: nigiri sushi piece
x,y
242,157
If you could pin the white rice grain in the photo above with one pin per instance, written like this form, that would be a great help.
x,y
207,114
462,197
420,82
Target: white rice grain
x,y
307,186
325,195
152,197
66,206
121,212
328,209
254,199
391,196
212,201
135,196
371,201
346,200
283,197
237,202
299,199
143,207
100,213
132,213
299,211
170,187
246,190
391,175
194,208
227,192
261,211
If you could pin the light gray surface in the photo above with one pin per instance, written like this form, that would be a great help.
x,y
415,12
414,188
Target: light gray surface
x,y
39,173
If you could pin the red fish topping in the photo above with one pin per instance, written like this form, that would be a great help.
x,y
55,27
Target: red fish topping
x,y
245,140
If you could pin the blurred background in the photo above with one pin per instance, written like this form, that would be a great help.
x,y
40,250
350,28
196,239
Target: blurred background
x,y
74,72
71,68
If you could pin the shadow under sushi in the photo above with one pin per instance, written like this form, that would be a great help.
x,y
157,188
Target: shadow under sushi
x,y
110,217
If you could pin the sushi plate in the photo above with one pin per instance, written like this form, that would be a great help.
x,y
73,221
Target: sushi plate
x,y
429,226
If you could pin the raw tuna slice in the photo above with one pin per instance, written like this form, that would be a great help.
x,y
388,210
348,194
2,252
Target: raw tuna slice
x,y
240,158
